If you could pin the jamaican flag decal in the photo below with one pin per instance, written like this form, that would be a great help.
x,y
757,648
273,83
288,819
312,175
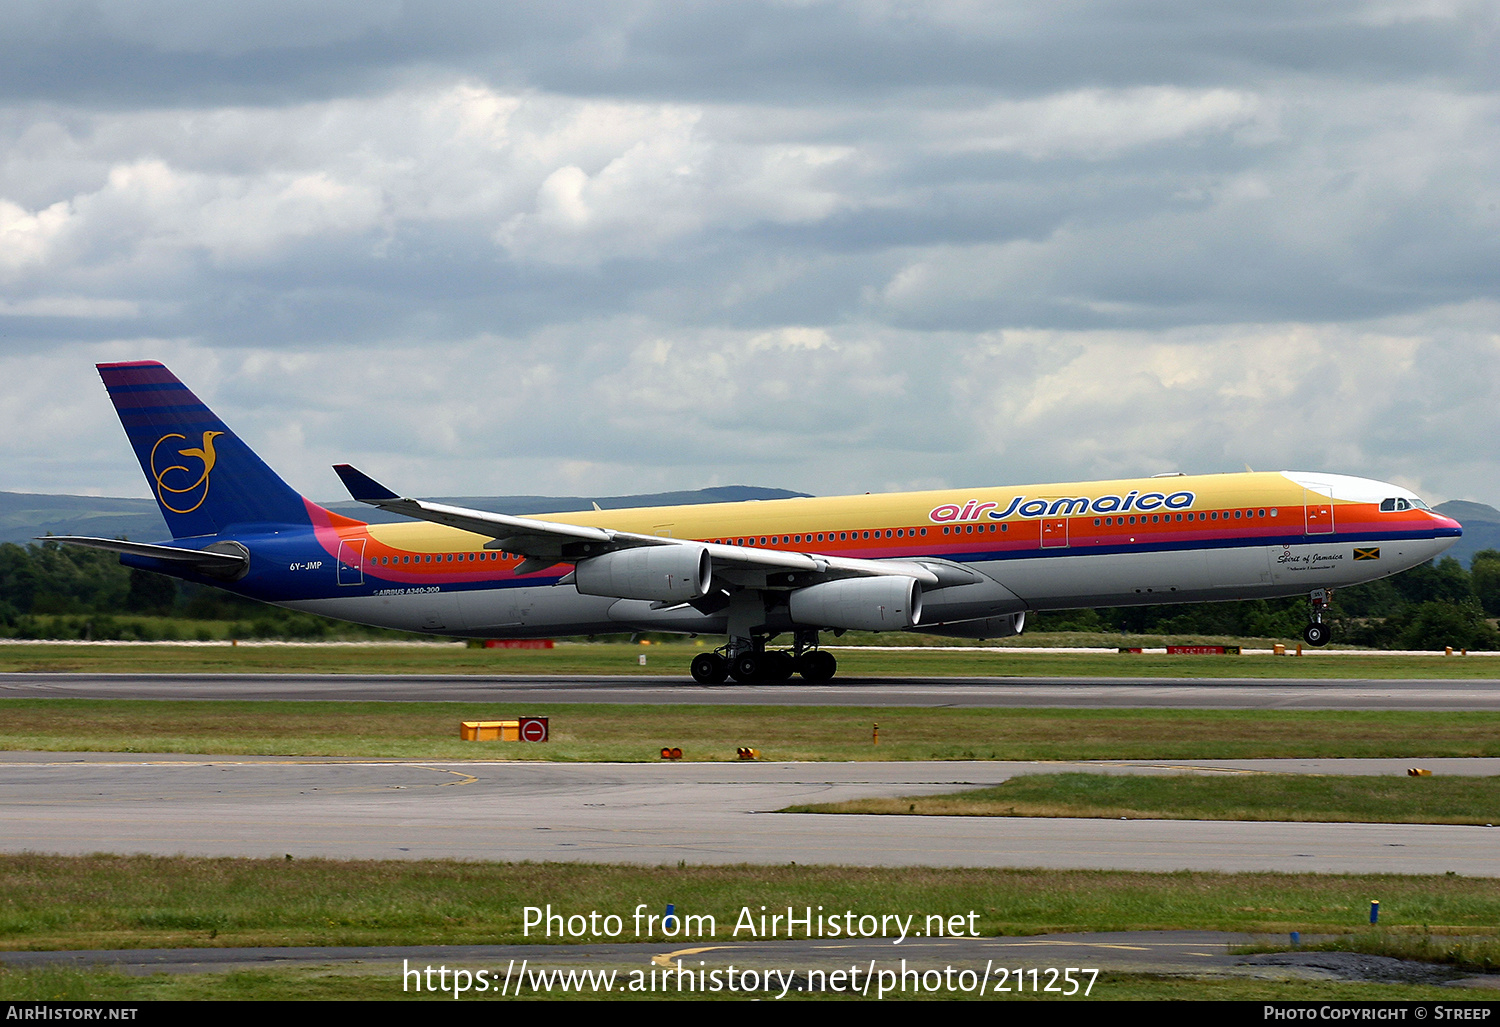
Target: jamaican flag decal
x,y
1372,553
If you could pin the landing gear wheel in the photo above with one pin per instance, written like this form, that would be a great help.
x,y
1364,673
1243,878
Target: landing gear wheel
x,y
1318,632
817,666
710,669
745,667
778,665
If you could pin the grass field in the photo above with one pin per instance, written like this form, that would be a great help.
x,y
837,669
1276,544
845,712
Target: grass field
x,y
1267,797
103,902
621,659
633,733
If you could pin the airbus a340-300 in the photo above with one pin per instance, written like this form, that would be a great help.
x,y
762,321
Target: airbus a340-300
x,y
966,563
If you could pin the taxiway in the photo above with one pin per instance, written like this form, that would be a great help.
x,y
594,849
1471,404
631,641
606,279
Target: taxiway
x,y
700,813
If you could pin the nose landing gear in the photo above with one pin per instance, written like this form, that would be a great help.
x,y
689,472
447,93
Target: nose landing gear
x,y
1318,633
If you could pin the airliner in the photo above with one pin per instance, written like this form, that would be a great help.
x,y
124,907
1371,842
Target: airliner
x,y
966,563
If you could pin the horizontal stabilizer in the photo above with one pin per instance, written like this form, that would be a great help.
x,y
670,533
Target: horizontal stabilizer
x,y
216,564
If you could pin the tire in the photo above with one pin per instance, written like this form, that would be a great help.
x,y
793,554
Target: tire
x,y
817,666
745,667
709,669
778,665
1317,634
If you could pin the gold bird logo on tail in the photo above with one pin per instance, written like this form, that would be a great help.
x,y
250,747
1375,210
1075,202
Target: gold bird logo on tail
x,y
176,480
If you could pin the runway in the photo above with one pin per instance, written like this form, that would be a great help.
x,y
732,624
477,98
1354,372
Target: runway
x,y
1064,692
693,813
669,813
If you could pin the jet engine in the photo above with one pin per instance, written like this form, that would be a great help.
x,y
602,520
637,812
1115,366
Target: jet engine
x,y
886,603
671,574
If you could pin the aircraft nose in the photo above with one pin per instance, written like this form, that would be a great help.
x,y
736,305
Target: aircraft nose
x,y
1446,525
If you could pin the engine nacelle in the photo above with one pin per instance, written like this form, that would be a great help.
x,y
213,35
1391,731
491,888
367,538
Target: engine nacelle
x,y
989,627
672,574
887,603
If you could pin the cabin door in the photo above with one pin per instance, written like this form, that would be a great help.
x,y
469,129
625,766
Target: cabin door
x,y
351,561
1318,507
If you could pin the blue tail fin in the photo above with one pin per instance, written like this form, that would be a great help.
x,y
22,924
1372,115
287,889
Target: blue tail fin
x,y
205,479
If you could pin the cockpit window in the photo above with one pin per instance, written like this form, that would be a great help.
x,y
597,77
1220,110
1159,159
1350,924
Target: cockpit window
x,y
1397,504
1387,505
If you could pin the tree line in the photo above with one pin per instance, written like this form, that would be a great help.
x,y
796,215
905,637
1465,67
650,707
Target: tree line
x,y
48,590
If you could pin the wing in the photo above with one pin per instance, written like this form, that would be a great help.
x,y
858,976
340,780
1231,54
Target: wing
x,y
547,543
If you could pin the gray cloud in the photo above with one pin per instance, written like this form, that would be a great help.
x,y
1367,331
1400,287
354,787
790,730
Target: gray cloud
x,y
619,247
273,51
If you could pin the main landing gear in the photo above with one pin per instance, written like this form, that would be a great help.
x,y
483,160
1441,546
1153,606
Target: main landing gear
x,y
1317,632
748,659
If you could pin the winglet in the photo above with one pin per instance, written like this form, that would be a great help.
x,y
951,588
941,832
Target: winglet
x,y
362,487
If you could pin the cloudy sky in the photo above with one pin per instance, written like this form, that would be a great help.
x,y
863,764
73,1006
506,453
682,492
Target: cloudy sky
x,y
488,248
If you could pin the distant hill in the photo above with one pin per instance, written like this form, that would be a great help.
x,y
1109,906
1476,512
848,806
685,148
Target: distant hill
x,y
25,516
1481,528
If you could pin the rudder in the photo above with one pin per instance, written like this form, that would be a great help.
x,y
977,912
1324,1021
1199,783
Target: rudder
x,y
204,478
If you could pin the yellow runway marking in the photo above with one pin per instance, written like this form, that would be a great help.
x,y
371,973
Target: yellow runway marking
x,y
665,958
